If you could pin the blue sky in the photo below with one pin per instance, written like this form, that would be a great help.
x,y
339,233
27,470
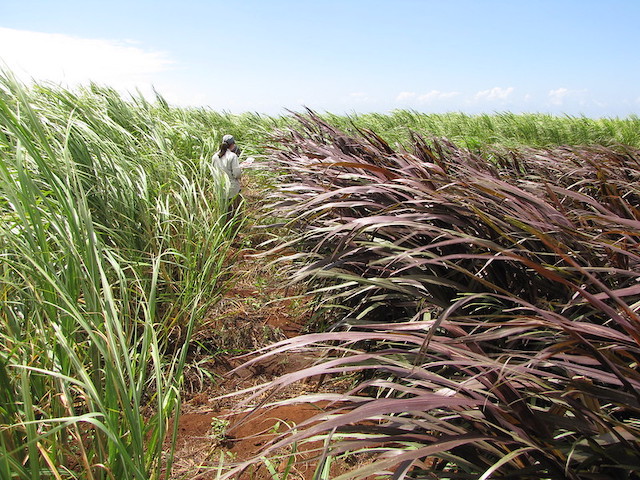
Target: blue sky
x,y
574,57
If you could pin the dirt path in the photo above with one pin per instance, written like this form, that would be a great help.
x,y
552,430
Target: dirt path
x,y
248,317
258,309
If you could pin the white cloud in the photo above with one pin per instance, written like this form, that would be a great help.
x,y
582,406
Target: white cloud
x,y
495,93
556,97
436,95
71,60
432,96
359,97
560,96
405,96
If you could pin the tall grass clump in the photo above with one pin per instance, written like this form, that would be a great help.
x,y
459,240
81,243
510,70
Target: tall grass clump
x,y
486,307
111,248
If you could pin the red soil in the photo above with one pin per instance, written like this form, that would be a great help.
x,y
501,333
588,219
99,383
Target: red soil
x,y
256,311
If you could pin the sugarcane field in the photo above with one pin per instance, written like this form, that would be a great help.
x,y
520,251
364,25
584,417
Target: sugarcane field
x,y
330,240
403,292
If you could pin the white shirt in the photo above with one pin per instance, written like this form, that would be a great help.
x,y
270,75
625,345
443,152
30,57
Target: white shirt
x,y
229,165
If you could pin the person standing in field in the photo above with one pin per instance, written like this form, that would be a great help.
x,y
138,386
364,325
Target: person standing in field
x,y
226,159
